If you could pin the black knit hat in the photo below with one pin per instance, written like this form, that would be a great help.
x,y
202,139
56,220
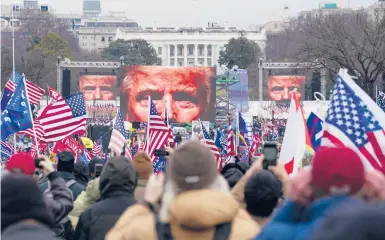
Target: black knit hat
x,y
66,162
262,192
21,199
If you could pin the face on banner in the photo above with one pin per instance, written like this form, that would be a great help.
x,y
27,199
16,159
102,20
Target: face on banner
x,y
189,92
280,87
98,87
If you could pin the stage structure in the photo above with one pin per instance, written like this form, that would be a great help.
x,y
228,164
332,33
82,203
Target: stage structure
x,y
66,63
289,65
224,80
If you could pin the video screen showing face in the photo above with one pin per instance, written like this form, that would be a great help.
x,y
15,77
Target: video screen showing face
x,y
188,92
280,87
98,86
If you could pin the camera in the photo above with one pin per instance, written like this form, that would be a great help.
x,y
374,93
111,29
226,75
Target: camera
x,y
98,169
270,152
37,162
161,153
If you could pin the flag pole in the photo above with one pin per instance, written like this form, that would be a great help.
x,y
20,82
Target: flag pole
x,y
236,132
31,116
13,64
148,126
376,94
167,120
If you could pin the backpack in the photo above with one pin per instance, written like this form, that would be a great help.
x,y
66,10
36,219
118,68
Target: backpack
x,y
63,228
163,230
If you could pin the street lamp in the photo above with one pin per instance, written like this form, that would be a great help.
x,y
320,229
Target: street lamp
x,y
58,71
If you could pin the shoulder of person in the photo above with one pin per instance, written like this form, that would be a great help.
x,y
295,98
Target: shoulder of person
x,y
137,222
244,226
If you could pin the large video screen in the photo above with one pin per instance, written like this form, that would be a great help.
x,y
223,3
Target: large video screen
x,y
97,84
279,87
189,92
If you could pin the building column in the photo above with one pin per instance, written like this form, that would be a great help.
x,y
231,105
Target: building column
x,y
205,54
195,54
185,54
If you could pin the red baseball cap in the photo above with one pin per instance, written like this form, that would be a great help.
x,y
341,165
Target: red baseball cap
x,y
22,161
338,170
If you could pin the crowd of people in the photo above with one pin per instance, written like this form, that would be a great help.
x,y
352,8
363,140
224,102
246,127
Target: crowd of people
x,y
121,199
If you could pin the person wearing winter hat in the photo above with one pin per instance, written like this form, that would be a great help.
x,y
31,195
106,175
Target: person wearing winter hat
x,y
65,169
336,179
22,163
143,165
91,193
24,215
195,203
233,172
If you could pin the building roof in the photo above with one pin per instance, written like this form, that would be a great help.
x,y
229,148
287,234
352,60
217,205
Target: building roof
x,y
93,5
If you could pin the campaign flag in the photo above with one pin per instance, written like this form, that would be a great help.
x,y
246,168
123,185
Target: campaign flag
x,y
68,144
314,126
296,145
64,118
119,137
211,145
54,94
221,143
17,115
354,120
8,89
34,92
6,151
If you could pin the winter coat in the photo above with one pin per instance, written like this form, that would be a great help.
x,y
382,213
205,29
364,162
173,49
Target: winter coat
x,y
29,229
59,198
76,189
117,185
85,199
203,209
293,222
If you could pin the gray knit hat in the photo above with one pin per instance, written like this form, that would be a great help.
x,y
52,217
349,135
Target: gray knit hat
x,y
192,166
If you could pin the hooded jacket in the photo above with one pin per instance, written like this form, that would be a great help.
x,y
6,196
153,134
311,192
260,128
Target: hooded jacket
x,y
293,222
117,185
203,209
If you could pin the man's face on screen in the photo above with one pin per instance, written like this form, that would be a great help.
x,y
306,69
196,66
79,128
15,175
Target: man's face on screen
x,y
178,92
280,87
97,87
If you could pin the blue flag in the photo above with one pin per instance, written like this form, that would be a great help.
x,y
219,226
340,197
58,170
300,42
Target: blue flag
x,y
17,115
314,126
8,89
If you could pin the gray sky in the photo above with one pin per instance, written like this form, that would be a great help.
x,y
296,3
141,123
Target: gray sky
x,y
238,13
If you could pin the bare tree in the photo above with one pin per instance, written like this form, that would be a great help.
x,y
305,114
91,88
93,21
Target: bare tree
x,y
355,41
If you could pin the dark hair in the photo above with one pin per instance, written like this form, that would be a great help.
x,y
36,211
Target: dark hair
x,y
262,193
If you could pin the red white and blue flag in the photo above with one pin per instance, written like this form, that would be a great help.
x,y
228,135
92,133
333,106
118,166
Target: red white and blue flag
x,y
354,120
119,137
211,145
230,148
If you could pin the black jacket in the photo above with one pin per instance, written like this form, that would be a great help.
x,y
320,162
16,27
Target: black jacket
x,y
59,198
117,186
30,230
76,189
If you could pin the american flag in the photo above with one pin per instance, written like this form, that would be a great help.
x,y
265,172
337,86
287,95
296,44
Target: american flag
x,y
158,131
211,144
54,94
34,92
119,137
64,118
254,145
230,147
6,150
32,151
38,128
97,149
354,120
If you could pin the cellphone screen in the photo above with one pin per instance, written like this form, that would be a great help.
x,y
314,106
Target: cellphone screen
x,y
270,153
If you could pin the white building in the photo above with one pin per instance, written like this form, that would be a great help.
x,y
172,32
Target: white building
x,y
189,46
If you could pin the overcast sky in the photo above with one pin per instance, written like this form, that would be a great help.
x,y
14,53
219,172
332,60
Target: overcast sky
x,y
238,13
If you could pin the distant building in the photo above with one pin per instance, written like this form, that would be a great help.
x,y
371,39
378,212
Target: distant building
x,y
92,8
189,46
326,9
96,33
